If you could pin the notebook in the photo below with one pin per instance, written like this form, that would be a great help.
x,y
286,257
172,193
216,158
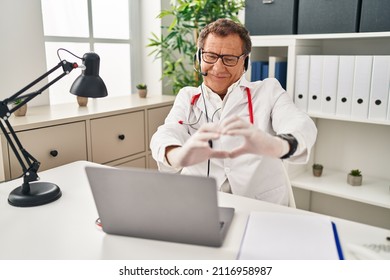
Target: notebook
x,y
150,204
287,236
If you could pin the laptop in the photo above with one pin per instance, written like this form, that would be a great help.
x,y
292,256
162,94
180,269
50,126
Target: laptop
x,y
163,206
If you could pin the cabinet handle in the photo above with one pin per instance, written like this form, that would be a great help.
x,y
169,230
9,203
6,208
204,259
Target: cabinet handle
x,y
121,137
54,153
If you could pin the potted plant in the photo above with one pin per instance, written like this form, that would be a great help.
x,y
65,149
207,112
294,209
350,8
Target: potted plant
x,y
317,169
178,41
142,90
355,177
22,110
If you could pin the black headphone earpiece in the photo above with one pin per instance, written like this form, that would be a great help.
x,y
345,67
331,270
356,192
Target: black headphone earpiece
x,y
198,56
246,63
197,60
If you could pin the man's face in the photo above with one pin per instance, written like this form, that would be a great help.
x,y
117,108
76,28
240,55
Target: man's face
x,y
219,76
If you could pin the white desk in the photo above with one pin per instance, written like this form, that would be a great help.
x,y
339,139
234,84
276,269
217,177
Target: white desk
x,y
65,229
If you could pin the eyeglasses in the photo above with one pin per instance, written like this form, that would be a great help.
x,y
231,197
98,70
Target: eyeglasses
x,y
227,59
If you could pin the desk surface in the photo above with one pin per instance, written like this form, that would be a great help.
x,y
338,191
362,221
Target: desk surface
x,y
65,229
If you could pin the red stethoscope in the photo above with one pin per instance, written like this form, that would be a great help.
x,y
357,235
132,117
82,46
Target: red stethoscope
x,y
196,97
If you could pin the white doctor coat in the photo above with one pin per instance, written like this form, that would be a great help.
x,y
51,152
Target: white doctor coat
x,y
249,175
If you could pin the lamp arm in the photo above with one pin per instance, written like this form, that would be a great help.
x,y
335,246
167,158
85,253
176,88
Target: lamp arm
x,y
28,163
67,68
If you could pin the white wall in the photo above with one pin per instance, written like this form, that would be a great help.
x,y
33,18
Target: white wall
x,y
151,68
22,49
22,46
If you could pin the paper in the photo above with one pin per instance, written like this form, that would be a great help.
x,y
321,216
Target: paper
x,y
283,236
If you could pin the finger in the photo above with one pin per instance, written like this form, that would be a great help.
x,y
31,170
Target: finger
x,y
206,136
237,124
246,132
199,144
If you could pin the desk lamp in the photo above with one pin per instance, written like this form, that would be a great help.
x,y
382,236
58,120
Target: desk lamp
x,y
88,84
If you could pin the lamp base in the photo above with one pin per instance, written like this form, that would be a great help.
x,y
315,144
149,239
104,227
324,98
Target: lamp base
x,y
40,193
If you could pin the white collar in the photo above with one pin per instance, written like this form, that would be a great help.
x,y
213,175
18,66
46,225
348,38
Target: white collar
x,y
210,92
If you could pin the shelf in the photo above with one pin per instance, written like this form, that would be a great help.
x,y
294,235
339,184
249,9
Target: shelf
x,y
374,191
286,39
39,116
348,119
343,141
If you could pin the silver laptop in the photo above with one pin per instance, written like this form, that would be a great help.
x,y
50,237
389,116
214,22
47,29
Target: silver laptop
x,y
154,205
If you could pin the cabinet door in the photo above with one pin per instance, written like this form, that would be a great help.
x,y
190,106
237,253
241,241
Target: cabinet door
x,y
52,146
156,117
117,136
137,163
152,164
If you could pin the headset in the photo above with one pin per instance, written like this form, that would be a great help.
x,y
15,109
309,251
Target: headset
x,y
198,60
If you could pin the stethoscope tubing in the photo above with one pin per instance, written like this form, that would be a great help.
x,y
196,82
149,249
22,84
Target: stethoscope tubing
x,y
196,97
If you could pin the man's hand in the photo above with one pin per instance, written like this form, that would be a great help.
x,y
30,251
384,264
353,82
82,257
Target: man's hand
x,y
197,148
256,140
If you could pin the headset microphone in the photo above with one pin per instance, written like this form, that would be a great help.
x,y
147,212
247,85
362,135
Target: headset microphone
x,y
204,74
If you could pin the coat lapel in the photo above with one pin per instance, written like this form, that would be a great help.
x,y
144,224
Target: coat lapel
x,y
235,99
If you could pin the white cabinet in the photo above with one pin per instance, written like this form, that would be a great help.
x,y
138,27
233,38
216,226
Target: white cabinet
x,y
118,136
344,142
53,146
113,131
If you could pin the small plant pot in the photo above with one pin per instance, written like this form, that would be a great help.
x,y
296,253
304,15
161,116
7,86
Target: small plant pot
x,y
317,172
21,111
317,169
354,180
82,101
142,93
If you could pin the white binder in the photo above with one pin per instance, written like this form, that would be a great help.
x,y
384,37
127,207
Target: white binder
x,y
388,111
361,86
379,94
301,91
345,85
329,84
315,84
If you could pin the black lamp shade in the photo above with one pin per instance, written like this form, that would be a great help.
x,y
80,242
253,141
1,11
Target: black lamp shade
x,y
89,83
